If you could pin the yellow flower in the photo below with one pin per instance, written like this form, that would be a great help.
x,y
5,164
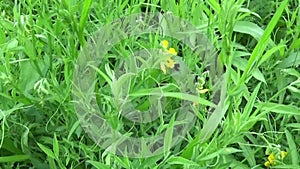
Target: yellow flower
x,y
271,158
165,44
163,68
170,63
283,154
199,83
195,104
172,51
203,91
267,164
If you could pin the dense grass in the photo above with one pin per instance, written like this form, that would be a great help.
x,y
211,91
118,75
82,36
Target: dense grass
x,y
258,44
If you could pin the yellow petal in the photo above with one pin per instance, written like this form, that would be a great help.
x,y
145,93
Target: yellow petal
x,y
267,164
165,44
283,154
203,91
163,68
271,157
172,51
170,63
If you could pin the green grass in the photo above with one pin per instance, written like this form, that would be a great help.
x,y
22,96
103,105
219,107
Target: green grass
x,y
258,44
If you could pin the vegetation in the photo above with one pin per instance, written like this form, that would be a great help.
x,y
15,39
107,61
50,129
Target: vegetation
x,y
258,49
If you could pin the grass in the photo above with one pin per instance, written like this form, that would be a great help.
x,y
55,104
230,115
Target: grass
x,y
258,49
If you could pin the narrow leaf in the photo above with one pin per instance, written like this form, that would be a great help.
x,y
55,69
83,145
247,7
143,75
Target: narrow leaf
x,y
46,150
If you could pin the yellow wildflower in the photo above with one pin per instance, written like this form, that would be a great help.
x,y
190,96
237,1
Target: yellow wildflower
x,y
170,63
199,83
195,104
163,67
283,154
271,160
203,91
267,164
165,44
172,51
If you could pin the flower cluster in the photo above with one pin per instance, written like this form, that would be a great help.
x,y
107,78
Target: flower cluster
x,y
168,62
199,83
272,158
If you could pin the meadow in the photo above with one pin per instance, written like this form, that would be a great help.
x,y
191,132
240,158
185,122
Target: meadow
x,y
78,85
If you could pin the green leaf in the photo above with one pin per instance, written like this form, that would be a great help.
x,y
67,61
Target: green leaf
x,y
293,125
241,64
169,136
183,96
250,103
66,4
292,147
124,163
5,113
52,164
214,5
269,53
14,158
83,18
209,126
12,44
55,146
262,43
292,72
29,74
2,37
252,29
292,60
106,78
98,165
30,50
248,153
249,28
74,127
46,150
151,160
280,108
213,121
24,139
181,161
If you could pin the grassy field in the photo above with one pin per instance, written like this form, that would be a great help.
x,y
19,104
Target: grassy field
x,y
256,119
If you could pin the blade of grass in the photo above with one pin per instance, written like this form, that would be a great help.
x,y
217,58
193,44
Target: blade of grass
x,y
208,129
262,43
181,161
250,103
83,18
55,146
214,5
46,150
14,158
280,108
98,165
169,136
184,96
293,148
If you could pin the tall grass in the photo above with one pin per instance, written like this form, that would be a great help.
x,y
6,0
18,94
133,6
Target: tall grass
x,y
258,48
